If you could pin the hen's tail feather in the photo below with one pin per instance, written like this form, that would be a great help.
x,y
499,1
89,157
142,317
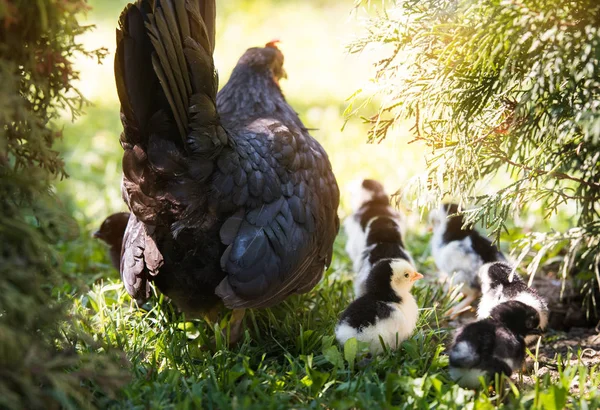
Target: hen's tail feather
x,y
202,22
185,67
167,69
165,47
167,85
209,11
135,87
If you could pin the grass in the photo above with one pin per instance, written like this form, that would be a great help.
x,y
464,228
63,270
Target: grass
x,y
288,357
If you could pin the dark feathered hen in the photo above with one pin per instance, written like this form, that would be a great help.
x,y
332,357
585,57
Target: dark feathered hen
x,y
231,198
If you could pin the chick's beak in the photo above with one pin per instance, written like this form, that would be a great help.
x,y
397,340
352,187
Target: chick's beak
x,y
415,276
97,235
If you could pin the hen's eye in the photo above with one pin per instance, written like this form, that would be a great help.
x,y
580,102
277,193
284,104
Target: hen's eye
x,y
406,275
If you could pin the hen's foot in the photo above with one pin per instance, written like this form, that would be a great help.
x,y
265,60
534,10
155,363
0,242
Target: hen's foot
x,y
231,334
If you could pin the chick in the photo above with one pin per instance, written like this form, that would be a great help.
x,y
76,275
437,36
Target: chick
x,y
383,241
460,252
369,200
498,286
387,309
494,345
374,231
111,232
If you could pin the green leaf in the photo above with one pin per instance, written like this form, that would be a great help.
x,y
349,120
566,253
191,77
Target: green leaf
x,y
333,356
554,399
350,351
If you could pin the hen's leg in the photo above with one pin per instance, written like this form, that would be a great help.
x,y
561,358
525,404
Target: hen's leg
x,y
212,316
236,326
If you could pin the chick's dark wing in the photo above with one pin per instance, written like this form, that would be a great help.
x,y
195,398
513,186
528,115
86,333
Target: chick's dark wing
x,y
363,312
280,186
508,346
485,248
472,344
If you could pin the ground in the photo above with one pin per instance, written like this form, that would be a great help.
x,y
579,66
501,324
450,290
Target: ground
x,y
586,340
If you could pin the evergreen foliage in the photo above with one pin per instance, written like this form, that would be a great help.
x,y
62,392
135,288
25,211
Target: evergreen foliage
x,y
493,87
39,362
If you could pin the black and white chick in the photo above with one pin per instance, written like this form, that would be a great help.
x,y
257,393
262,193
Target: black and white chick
x,y
500,284
495,345
459,252
387,309
375,231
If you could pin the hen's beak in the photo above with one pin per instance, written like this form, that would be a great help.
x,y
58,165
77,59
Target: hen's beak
x,y
97,235
415,276
281,74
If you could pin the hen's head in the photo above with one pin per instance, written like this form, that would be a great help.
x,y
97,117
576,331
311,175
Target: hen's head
x,y
267,59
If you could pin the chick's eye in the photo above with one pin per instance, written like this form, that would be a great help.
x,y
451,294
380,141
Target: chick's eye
x,y
406,275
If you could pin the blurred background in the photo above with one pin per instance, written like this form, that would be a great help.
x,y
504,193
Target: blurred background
x,y
321,78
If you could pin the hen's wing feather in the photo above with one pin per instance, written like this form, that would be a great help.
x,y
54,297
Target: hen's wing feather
x,y
140,258
283,239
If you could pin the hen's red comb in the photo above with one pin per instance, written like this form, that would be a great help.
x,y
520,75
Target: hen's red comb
x,y
273,43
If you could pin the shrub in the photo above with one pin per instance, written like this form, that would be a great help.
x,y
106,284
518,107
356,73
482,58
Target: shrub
x,y
500,86
39,362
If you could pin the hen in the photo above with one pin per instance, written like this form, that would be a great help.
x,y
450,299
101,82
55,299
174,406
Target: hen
x,y
231,199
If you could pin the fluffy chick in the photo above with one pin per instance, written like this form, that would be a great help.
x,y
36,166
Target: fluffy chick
x,y
460,251
498,286
369,200
374,231
494,345
111,232
383,241
387,309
